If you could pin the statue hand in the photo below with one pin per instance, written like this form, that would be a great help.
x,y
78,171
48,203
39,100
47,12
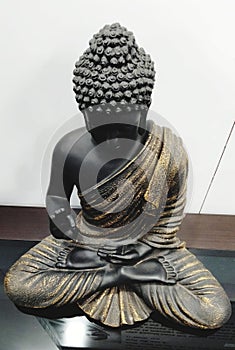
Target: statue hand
x,y
79,259
64,226
125,255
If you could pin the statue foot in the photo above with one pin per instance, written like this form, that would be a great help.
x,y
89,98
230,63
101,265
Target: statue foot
x,y
171,275
152,270
79,259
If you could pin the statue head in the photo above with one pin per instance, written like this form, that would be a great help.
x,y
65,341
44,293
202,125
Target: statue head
x,y
113,69
113,76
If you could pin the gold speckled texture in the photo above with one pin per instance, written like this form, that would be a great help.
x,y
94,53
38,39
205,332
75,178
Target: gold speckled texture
x,y
159,180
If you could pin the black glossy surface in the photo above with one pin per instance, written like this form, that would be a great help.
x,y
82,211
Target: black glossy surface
x,y
20,331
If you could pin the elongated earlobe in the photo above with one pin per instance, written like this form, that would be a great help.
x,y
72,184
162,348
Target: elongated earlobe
x,y
142,125
87,121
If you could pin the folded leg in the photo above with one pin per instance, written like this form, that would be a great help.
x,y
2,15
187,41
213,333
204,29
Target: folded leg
x,y
34,281
196,300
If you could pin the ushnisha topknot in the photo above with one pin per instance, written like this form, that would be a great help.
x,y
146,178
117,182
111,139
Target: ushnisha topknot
x,y
113,72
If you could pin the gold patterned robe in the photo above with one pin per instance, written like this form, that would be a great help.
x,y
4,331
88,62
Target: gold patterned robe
x,y
156,178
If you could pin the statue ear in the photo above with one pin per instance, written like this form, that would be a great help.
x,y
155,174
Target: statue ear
x,y
142,124
87,121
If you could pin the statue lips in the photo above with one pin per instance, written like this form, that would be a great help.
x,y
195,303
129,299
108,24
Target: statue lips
x,y
114,143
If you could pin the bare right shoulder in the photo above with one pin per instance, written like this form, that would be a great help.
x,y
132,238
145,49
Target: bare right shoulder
x,y
67,142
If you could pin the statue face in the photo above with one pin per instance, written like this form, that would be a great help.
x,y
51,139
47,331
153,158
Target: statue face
x,y
103,126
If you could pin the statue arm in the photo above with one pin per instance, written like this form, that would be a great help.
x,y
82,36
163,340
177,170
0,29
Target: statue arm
x,y
61,216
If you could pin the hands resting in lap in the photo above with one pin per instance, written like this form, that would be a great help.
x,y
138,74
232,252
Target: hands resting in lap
x,y
132,262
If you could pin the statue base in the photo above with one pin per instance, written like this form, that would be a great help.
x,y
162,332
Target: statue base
x,y
153,334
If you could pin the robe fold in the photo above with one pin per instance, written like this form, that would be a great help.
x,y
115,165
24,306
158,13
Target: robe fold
x,y
142,202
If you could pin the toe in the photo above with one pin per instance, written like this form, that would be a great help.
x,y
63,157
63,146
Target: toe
x,y
171,281
161,259
170,268
173,274
60,258
62,253
60,265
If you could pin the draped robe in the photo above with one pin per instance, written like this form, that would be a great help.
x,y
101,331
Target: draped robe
x,y
155,179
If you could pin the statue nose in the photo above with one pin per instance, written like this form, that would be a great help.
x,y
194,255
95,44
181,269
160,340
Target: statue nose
x,y
114,132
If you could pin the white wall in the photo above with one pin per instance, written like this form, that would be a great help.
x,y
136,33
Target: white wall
x,y
192,44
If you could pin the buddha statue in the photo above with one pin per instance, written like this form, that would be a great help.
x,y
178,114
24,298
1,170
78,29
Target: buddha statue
x,y
119,259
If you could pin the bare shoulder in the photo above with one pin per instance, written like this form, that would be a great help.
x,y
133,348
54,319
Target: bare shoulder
x,y
64,146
